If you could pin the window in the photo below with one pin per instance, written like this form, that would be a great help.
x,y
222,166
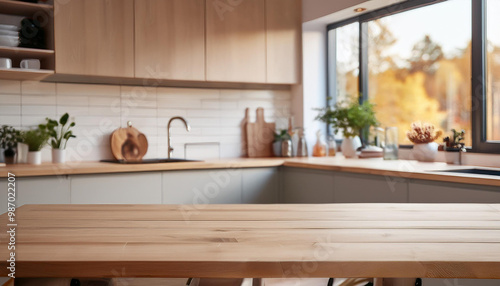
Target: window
x,y
415,61
344,61
493,71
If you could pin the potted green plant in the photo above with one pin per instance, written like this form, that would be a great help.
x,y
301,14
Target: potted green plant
x,y
279,137
453,146
352,118
36,139
60,132
423,135
9,137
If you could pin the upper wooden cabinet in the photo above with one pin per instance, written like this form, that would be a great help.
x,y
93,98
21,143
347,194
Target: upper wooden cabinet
x,y
94,37
170,39
284,41
236,41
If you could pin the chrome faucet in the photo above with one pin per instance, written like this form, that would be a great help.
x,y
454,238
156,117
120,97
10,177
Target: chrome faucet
x,y
188,128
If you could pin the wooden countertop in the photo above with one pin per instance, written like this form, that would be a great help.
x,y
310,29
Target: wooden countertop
x,y
326,240
79,168
399,168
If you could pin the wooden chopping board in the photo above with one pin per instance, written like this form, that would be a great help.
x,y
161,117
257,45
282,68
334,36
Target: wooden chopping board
x,y
128,144
260,135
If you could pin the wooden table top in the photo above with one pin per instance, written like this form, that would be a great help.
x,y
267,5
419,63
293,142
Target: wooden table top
x,y
323,240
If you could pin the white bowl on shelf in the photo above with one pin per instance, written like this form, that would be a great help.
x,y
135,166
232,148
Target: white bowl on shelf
x,y
9,41
8,33
9,27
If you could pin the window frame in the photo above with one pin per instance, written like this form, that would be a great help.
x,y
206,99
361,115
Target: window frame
x,y
478,64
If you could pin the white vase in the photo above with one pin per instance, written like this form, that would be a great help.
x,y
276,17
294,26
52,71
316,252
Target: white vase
x,y
35,158
350,145
58,156
425,152
22,153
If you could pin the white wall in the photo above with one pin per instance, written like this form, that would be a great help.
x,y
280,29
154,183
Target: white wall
x,y
215,115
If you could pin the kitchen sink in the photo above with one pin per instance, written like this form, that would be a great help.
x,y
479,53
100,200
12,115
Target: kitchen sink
x,y
474,171
149,161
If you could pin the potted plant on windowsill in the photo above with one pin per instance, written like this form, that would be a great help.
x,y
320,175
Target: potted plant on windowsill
x,y
60,133
36,139
423,135
9,137
453,146
352,118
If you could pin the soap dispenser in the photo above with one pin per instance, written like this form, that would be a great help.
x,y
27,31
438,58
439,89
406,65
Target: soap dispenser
x,y
319,149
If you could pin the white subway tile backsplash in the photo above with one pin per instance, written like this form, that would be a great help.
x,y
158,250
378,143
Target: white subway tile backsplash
x,y
80,100
38,87
214,115
88,89
10,86
44,110
10,98
13,120
10,109
39,99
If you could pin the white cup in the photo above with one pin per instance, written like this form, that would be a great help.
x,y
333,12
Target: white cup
x,y
32,64
5,63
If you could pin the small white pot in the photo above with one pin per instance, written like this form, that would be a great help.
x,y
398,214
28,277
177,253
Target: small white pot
x,y
425,152
452,157
58,156
22,153
35,158
350,146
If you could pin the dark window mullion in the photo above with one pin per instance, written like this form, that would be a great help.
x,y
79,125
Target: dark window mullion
x,y
479,80
363,61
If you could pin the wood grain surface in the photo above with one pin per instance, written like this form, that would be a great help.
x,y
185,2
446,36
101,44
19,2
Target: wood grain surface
x,y
237,241
260,135
128,144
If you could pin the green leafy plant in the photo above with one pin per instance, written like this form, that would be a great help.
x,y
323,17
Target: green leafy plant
x,y
59,131
36,139
281,135
349,116
9,137
456,141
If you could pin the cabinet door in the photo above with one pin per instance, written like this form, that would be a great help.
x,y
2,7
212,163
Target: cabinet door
x,y
441,192
283,30
133,188
94,37
170,39
260,185
202,187
362,188
236,41
37,190
307,186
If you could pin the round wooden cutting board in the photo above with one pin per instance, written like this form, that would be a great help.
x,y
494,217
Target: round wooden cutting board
x,y
128,144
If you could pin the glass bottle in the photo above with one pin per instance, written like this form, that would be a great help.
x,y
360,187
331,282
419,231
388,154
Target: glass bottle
x,y
319,149
332,146
391,147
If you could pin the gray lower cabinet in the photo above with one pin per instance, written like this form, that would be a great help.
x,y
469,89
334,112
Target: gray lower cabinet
x,y
128,188
219,186
260,185
307,186
443,192
37,190
361,188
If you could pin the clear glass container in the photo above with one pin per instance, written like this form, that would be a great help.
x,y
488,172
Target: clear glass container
x,y
332,146
391,148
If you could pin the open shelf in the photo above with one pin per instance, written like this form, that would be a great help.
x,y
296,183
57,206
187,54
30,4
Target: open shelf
x,y
12,7
25,52
24,74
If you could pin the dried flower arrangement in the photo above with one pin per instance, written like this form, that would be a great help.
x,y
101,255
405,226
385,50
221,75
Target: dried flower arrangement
x,y
422,133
